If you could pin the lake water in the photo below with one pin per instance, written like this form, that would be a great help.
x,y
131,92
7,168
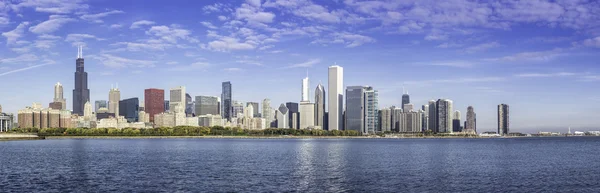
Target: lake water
x,y
301,165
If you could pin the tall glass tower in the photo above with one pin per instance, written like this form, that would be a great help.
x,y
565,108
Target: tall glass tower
x,y
81,93
226,102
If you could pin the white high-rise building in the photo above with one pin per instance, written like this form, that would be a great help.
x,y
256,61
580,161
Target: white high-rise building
x,y
177,98
283,117
114,96
305,92
58,95
444,113
307,115
336,97
267,111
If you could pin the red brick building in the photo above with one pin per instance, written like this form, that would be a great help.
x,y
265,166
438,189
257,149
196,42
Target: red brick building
x,y
154,100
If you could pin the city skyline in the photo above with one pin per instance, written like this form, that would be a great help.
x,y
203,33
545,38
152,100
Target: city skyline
x,y
473,66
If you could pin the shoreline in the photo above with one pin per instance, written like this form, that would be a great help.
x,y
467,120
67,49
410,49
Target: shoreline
x,y
273,137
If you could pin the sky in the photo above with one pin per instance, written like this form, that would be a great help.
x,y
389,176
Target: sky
x,y
540,57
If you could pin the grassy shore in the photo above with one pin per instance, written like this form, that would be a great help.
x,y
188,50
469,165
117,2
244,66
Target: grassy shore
x,y
254,137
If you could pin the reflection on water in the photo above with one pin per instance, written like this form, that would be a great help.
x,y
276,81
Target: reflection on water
x,y
301,165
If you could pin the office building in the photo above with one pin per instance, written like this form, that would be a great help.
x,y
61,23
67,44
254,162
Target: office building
x,y
81,93
154,102
425,117
254,107
167,106
320,107
226,101
205,105
456,127
189,105
444,115
385,120
396,118
307,115
267,111
408,107
6,121
335,97
471,122
177,98
129,108
59,97
410,122
293,109
355,114
405,100
432,116
237,109
371,104
114,97
38,117
100,104
283,117
503,119
210,120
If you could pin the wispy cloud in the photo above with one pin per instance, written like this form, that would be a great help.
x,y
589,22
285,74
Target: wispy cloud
x,y
530,56
112,61
208,25
96,18
306,64
481,47
54,23
233,69
454,81
190,67
457,64
141,23
543,75
45,62
14,35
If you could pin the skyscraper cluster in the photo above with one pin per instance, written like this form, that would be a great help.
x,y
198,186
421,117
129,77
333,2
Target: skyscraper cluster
x,y
334,108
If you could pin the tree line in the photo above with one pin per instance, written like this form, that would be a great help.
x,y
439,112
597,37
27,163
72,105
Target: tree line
x,y
182,131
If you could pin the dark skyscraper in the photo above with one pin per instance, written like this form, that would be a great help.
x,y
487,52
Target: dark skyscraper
x,y
226,101
154,102
167,105
129,108
81,93
503,119
189,105
355,115
293,108
405,100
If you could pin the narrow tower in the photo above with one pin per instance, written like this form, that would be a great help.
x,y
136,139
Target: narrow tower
x,y
81,93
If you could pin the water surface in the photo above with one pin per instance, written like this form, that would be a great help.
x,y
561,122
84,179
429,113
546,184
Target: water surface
x,y
302,165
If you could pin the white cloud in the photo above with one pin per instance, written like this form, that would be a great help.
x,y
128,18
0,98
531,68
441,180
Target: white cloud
x,y
78,39
530,56
96,18
253,14
172,63
233,69
24,58
592,42
171,34
52,6
47,62
142,46
208,25
112,61
252,62
141,23
225,44
116,26
48,37
4,20
545,75
434,36
481,47
457,64
306,64
191,67
14,35
349,39
454,81
51,25
222,18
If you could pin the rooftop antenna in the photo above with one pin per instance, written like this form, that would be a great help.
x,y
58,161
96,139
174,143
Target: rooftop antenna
x,y
81,47
78,52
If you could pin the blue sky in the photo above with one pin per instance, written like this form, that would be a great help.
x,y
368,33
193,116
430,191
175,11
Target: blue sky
x,y
539,57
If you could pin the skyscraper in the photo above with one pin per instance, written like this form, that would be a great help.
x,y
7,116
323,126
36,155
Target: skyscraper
x,y
267,111
114,96
189,105
177,98
503,119
81,93
405,100
129,108
59,97
425,117
306,113
336,97
355,109
320,107
226,101
283,117
408,107
154,102
293,109
456,122
385,119
444,115
236,109
471,123
432,117
207,105
100,104
167,106
371,104
254,108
